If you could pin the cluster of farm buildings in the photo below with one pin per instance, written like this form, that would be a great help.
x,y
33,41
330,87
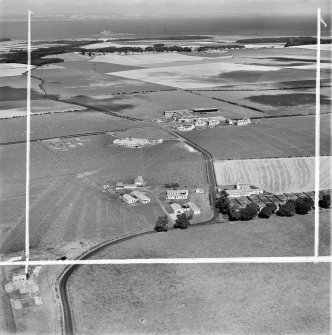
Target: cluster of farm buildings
x,y
240,195
133,142
187,120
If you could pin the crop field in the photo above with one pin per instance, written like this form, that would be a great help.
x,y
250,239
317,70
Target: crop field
x,y
67,198
275,175
277,102
209,298
77,81
268,138
55,125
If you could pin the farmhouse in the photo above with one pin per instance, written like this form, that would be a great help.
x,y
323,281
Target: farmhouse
x,y
205,110
176,194
186,127
177,209
200,123
189,148
213,122
243,122
136,142
140,196
131,142
139,182
242,190
194,208
129,199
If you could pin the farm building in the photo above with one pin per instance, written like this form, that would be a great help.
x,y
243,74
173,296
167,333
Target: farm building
x,y
189,148
257,202
139,182
213,122
200,123
17,279
186,207
177,209
264,199
199,190
282,197
131,142
291,196
242,190
243,122
186,127
229,122
205,110
194,208
275,200
129,199
176,194
141,197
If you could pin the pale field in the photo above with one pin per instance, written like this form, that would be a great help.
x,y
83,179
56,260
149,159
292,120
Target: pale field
x,y
66,195
232,299
275,175
193,76
13,69
144,59
323,47
111,44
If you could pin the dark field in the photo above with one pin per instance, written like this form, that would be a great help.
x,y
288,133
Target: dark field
x,y
57,125
279,137
67,199
209,299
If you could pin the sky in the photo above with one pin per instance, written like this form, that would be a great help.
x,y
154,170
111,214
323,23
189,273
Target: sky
x,y
162,7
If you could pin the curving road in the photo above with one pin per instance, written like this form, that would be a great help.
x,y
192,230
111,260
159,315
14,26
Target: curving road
x,y
68,324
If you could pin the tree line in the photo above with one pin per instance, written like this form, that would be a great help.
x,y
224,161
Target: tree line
x,y
301,206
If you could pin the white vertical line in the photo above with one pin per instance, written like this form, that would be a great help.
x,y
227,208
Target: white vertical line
x,y
27,183
317,137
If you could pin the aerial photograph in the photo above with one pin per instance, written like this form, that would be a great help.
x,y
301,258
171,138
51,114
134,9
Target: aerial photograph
x,y
165,167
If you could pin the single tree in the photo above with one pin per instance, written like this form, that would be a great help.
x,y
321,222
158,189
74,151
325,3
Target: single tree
x,y
248,213
234,214
161,224
288,209
302,205
223,205
266,212
325,202
273,206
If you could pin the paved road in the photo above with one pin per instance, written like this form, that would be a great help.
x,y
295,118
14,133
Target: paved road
x,y
68,326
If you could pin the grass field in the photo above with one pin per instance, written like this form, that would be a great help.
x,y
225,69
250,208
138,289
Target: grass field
x,y
209,299
67,198
13,69
276,175
277,102
279,137
57,125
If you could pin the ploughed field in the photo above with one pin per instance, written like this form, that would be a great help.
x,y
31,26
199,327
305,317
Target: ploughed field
x,y
277,137
210,298
275,175
67,198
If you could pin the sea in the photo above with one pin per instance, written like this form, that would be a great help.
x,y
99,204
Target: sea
x,y
228,27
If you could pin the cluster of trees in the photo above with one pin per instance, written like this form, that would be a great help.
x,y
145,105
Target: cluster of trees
x,y
159,47
289,41
182,222
220,47
21,56
299,206
306,40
